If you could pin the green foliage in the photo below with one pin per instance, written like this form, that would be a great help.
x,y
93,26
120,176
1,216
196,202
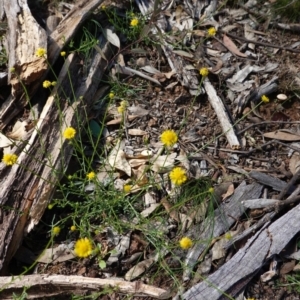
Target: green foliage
x,y
290,9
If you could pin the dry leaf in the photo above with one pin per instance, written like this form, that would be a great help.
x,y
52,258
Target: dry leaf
x,y
294,163
119,120
232,47
111,37
136,162
136,132
163,162
4,141
281,135
140,175
18,131
229,192
117,159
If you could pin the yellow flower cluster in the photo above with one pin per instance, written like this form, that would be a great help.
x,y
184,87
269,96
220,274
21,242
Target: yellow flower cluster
x,y
122,107
69,133
47,84
185,243
203,72
169,138
9,159
134,22
40,52
211,31
83,247
91,175
178,176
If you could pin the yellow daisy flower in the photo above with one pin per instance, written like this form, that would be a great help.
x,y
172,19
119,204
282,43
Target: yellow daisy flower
x,y
47,84
69,133
127,188
169,138
56,230
204,72
185,243
40,52
265,99
111,95
212,31
134,22
83,247
211,190
178,176
73,228
9,159
63,53
91,175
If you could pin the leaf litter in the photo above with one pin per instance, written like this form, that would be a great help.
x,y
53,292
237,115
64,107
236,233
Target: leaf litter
x,y
248,71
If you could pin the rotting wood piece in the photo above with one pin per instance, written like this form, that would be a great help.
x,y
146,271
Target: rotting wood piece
x,y
40,286
28,186
240,269
22,47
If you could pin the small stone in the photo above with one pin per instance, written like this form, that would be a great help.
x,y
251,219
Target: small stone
x,y
281,97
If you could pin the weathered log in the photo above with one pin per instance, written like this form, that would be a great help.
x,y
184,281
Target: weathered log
x,y
24,37
40,286
225,216
28,186
237,272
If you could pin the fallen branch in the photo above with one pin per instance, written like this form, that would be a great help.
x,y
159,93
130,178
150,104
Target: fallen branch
x,y
39,286
222,115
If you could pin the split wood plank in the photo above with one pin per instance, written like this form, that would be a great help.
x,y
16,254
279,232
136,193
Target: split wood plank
x,y
240,269
225,216
40,286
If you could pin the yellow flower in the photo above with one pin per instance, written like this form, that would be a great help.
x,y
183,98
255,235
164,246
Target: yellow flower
x,y
46,84
51,205
185,243
91,175
178,176
69,133
40,52
211,31
228,236
111,95
122,107
211,190
134,22
169,138
56,230
63,53
103,7
73,228
83,247
9,159
204,72
265,99
127,188
53,83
